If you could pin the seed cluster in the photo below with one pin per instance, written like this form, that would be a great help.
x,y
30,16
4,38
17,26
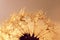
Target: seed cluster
x,y
27,26
28,37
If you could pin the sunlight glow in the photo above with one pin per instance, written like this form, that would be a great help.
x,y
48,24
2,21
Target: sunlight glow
x,y
23,22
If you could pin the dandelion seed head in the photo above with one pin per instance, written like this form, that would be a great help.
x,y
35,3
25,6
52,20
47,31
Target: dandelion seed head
x,y
25,26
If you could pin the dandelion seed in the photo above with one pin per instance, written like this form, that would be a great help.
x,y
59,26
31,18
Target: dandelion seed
x,y
23,26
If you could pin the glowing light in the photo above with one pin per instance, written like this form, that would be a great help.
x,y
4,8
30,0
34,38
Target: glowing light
x,y
21,23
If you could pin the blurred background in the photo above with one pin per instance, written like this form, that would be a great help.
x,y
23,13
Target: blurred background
x,y
51,7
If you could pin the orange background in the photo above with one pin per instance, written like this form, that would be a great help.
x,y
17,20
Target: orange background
x,y
51,7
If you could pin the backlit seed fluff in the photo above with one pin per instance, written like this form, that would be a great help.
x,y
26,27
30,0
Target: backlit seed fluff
x,y
27,26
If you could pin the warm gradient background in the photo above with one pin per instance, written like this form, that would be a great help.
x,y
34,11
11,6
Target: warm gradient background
x,y
51,7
